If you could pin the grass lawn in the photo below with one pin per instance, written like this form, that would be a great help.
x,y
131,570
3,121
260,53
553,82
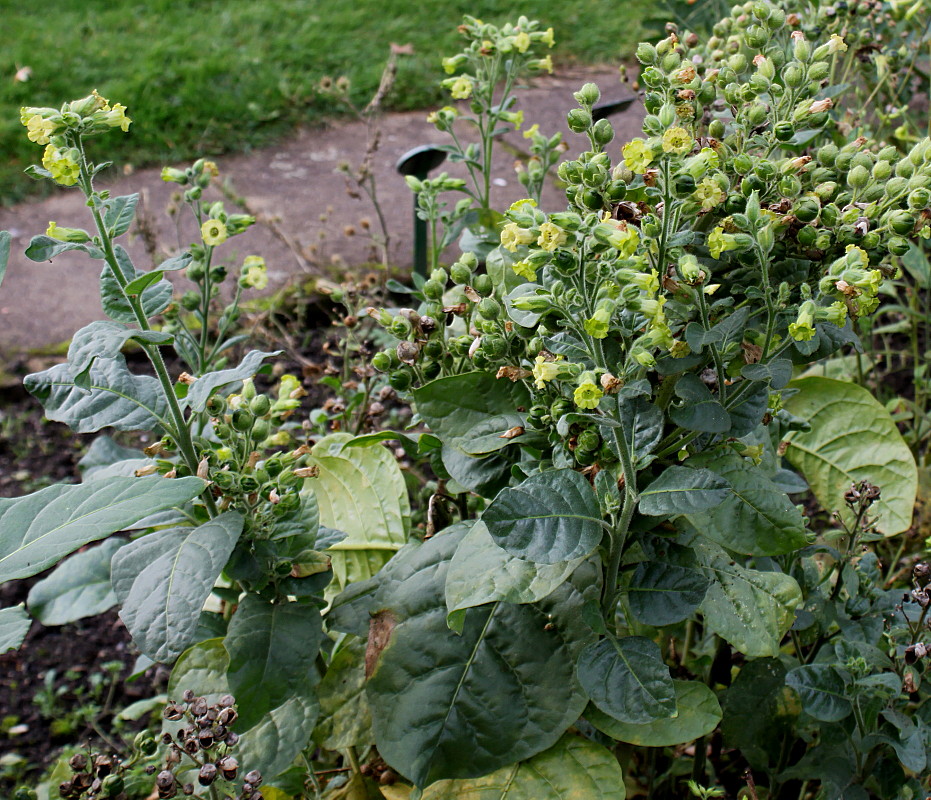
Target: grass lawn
x,y
209,76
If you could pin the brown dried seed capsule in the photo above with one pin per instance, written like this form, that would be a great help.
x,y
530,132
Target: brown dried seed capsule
x,y
103,766
226,701
253,777
81,782
65,789
219,732
199,706
191,746
205,739
228,767
78,762
232,738
921,572
187,789
188,696
227,716
173,712
150,769
166,738
207,774
212,713
388,777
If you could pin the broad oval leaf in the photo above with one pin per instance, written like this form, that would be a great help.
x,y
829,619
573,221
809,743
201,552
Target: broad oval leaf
x,y
572,769
202,669
360,491
104,339
38,530
163,579
852,438
119,213
756,517
472,410
551,517
154,299
681,490
272,744
271,649
699,411
485,476
459,706
627,679
79,587
661,593
45,248
750,609
14,625
698,713
641,426
112,397
822,691
481,572
345,717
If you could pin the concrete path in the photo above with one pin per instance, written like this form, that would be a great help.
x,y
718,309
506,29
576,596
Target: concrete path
x,y
300,198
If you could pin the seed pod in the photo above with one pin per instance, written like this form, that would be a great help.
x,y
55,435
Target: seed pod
x,y
165,782
207,774
205,739
253,777
78,762
103,766
227,716
228,767
173,712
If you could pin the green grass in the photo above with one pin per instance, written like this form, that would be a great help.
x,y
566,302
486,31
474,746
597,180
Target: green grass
x,y
202,77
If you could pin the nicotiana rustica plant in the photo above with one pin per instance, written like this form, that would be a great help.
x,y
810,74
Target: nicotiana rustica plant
x,y
623,419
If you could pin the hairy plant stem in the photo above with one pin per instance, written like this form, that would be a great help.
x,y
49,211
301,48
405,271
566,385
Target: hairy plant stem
x,y
619,534
180,431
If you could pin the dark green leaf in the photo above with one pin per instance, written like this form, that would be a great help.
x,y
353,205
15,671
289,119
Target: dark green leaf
x,y
206,385
627,679
272,649
699,411
778,373
481,572
568,345
680,490
115,398
750,609
661,593
79,587
103,339
119,213
756,517
641,426
747,413
279,737
163,579
14,625
154,299
472,410
346,720
698,715
551,517
38,530
45,248
821,689
484,476
456,706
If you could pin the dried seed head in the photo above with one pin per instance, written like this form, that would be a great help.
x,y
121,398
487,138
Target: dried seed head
x,y
227,716
232,739
228,701
253,777
173,712
103,766
199,707
205,739
207,774
228,767
921,572
188,696
187,789
78,762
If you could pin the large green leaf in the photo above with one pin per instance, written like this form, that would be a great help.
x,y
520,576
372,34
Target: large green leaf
x,y
14,625
756,517
471,411
206,385
38,530
360,491
485,476
663,593
113,397
104,339
822,691
459,706
345,717
45,248
79,587
627,679
641,426
202,669
272,649
572,769
273,744
750,609
698,713
852,438
481,572
163,579
551,517
681,490
119,213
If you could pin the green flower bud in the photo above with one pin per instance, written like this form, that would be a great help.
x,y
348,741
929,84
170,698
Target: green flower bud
x,y
439,275
783,131
743,163
716,128
806,210
489,308
382,361
242,420
190,301
602,132
898,246
460,273
434,349
260,405
646,54
807,236
793,75
483,285
858,177
588,441
919,199
433,290
901,222
400,327
905,168
579,120
757,114
802,50
818,71
400,380
670,61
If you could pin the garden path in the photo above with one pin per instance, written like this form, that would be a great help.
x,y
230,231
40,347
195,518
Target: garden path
x,y
290,187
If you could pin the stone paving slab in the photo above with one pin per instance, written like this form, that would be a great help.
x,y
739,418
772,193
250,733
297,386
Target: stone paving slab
x,y
290,186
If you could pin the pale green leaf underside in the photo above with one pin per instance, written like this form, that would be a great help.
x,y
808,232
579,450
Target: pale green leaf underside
x,y
14,625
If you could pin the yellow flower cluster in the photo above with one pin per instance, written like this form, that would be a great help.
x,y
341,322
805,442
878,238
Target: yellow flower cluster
x,y
63,164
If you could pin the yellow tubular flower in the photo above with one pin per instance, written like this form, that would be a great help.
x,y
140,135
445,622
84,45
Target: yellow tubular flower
x,y
39,130
587,395
525,270
213,232
513,236
551,236
522,42
677,141
461,88
544,371
637,155
62,164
